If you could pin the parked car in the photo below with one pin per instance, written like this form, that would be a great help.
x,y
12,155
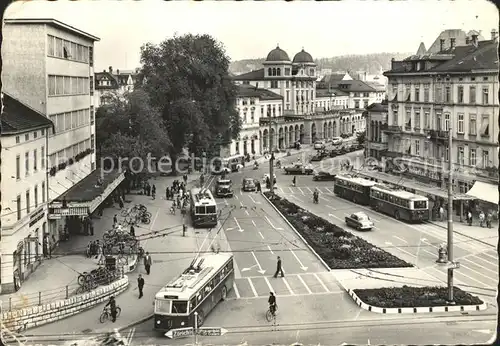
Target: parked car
x,y
248,184
335,152
224,188
336,140
319,145
323,176
317,157
298,168
359,221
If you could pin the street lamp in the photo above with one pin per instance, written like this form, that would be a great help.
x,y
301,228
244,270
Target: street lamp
x,y
450,219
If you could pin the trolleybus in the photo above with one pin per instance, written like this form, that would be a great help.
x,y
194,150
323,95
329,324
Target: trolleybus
x,y
203,208
233,162
353,188
199,289
403,205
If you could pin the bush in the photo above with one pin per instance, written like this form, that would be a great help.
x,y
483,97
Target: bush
x,y
414,297
338,248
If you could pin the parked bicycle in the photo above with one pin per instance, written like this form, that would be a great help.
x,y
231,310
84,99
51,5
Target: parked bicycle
x,y
106,314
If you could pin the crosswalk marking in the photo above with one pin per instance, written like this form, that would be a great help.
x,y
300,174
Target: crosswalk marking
x,y
302,192
479,258
271,289
309,189
321,282
327,189
252,287
288,286
304,283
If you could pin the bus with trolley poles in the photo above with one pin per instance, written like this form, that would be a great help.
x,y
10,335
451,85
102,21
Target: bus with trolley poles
x,y
198,289
353,188
203,208
400,204
233,162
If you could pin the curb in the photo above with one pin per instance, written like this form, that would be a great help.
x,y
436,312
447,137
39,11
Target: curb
x,y
298,233
131,324
419,310
464,235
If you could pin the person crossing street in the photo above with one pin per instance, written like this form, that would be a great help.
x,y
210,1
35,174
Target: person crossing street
x,y
140,285
279,269
147,263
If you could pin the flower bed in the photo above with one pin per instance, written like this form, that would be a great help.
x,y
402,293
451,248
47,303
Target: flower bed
x,y
338,248
414,297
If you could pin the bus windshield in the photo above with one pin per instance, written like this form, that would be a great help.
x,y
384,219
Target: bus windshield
x,y
420,204
179,307
162,306
211,209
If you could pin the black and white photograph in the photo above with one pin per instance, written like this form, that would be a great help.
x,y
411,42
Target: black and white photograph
x,y
249,173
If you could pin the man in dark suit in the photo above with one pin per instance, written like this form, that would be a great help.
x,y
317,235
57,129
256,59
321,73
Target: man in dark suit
x,y
140,285
279,270
147,263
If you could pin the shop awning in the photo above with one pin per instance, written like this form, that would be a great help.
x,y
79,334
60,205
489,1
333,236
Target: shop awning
x,y
484,192
86,195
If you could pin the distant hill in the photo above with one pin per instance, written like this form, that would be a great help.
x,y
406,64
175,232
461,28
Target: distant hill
x,y
371,63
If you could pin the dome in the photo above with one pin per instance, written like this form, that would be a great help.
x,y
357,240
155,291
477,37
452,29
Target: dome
x,y
303,57
277,54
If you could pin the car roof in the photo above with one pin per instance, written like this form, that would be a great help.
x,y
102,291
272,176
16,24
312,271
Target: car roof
x,y
251,179
359,213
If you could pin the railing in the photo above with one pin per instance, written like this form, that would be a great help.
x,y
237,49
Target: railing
x,y
20,301
393,128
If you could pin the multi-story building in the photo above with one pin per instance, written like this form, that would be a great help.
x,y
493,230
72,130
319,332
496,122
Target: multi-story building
x,y
24,185
253,104
455,88
376,122
451,38
298,119
113,83
49,66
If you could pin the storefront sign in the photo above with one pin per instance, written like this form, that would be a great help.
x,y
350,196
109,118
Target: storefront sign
x,y
36,217
422,172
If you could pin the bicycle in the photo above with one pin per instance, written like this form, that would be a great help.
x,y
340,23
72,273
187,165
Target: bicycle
x,y
106,314
271,315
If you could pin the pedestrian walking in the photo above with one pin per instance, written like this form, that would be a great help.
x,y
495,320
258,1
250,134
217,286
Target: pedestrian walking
x,y
140,285
147,263
132,230
294,181
120,202
441,213
167,193
153,191
279,270
115,220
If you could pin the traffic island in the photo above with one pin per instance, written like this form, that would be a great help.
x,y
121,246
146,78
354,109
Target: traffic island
x,y
406,299
337,248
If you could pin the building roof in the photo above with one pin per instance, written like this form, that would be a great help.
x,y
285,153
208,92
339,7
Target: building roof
x,y
263,94
468,58
375,85
52,22
421,49
331,78
352,86
277,54
252,75
325,93
377,107
98,76
303,57
18,117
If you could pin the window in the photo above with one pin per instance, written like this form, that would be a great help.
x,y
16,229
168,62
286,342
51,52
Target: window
x,y
460,94
43,192
472,157
27,137
485,96
18,167
59,48
35,134
408,117
274,84
365,103
417,147
28,208
67,85
252,119
26,163
460,124
426,92
67,121
59,85
439,94
460,156
91,56
74,85
66,53
395,117
447,95
287,71
50,45
18,139
35,159
485,126
18,207
447,122
472,124
356,104
486,158
35,193
75,119
472,94
417,93
244,116
417,119
52,85
426,120
394,90
288,96
447,154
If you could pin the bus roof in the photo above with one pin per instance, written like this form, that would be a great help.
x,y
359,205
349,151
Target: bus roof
x,y
224,181
356,180
237,156
399,193
202,196
194,277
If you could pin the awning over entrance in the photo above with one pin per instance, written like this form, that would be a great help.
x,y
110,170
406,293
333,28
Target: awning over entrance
x,y
85,196
484,192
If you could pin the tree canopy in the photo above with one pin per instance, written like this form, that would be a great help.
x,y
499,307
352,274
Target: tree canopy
x,y
186,78
129,127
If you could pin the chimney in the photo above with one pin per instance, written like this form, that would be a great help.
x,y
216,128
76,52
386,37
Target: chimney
x,y
117,71
111,69
441,45
494,33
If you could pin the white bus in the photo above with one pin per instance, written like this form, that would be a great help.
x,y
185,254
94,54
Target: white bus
x,y
403,205
353,188
198,289
203,208
233,162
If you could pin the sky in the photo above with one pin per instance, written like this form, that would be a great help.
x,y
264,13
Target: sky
x,y
250,29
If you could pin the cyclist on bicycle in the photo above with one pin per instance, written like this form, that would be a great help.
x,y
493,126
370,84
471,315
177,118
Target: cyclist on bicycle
x,y
272,302
112,307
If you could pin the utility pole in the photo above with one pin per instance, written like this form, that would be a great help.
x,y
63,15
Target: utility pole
x,y
271,159
450,219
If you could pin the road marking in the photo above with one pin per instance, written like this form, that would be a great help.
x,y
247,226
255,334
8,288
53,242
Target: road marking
x,y
324,199
298,260
261,235
493,271
291,191
270,223
309,189
475,271
236,290
252,287
327,189
253,200
304,283
241,204
482,259
321,282
235,196
225,202
271,289
246,212
428,243
430,253
270,249
238,224
494,258
280,189
288,286
329,206
241,192
297,198
338,218
404,241
302,192
253,222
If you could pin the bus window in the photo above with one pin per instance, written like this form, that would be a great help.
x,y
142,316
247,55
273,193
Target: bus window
x,y
179,307
192,304
200,296
420,204
200,210
162,306
211,209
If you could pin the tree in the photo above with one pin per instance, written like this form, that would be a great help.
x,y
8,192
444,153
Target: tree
x,y
361,137
129,127
186,77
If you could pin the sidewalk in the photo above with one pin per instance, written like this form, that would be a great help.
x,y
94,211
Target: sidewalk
x,y
488,236
163,235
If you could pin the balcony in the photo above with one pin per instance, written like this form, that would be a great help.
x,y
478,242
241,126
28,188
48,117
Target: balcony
x,y
393,129
408,126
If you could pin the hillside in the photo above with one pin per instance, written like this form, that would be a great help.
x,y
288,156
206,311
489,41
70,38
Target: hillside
x,y
371,63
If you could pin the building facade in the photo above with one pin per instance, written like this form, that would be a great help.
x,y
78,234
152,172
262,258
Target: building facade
x,y
113,83
376,138
24,137
430,93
